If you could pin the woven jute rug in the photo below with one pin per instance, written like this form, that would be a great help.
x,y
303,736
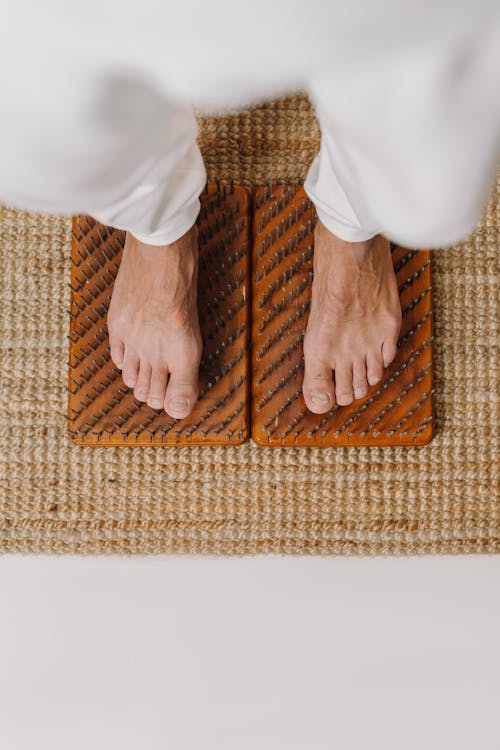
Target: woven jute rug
x,y
59,497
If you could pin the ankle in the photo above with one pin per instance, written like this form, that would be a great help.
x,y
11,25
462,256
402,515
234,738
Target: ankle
x,y
324,238
180,253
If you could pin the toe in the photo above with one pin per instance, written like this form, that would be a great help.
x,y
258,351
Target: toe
x,y
359,382
343,383
116,350
141,390
389,350
374,366
158,386
317,387
116,346
390,337
130,368
182,389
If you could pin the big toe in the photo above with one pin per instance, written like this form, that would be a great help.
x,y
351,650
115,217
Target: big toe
x,y
116,345
374,366
389,350
317,387
182,389
116,350
130,369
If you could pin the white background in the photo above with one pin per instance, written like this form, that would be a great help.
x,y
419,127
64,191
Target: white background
x,y
260,653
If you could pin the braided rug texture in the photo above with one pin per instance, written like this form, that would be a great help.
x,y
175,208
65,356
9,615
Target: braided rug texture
x,y
56,497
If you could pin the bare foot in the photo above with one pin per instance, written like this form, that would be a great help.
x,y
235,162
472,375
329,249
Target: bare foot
x,y
153,322
354,321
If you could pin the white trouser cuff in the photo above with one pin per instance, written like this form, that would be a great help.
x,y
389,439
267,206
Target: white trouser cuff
x,y
346,232
333,207
184,220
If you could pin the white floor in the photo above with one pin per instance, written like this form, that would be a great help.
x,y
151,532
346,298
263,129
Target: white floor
x,y
265,653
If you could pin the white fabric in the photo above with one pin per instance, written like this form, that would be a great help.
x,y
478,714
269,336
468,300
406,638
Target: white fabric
x,y
97,98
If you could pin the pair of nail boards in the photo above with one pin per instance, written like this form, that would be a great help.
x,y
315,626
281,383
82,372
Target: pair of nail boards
x,y
254,287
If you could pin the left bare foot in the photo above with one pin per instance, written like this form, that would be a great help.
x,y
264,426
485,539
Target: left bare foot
x,y
354,321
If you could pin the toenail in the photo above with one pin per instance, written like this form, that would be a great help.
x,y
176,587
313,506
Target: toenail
x,y
156,403
320,397
359,392
345,398
373,380
179,404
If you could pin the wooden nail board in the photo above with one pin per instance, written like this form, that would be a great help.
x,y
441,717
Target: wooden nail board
x,y
399,409
101,409
254,287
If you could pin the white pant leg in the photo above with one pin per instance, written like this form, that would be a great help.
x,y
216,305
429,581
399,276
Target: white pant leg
x,y
334,196
98,142
165,203
410,141
406,93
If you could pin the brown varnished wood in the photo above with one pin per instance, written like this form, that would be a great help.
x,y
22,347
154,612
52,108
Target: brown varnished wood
x,y
101,409
397,411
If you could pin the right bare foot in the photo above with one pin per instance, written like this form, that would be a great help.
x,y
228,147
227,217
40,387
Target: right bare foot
x,y
153,322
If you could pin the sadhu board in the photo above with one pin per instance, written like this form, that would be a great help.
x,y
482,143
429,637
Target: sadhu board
x,y
101,409
396,411
254,286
